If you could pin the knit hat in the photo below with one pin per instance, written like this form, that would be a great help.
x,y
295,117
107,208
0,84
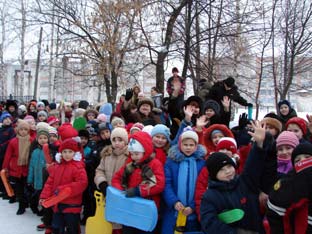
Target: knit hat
x,y
102,118
212,104
103,126
146,101
22,124
22,108
300,122
137,126
215,132
66,131
4,115
148,129
227,143
79,123
52,106
42,113
189,133
135,146
42,125
43,132
287,138
117,121
119,132
216,161
52,131
161,129
273,122
284,102
69,144
303,148
29,118
52,120
83,104
40,104
229,81
84,133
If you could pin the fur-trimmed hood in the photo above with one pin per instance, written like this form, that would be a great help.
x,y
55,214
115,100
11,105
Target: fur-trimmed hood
x,y
176,155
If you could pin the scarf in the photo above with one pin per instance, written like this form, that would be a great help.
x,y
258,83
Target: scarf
x,y
187,180
23,150
284,165
118,152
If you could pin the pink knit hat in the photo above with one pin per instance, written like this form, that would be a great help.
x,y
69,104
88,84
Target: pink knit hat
x,y
287,138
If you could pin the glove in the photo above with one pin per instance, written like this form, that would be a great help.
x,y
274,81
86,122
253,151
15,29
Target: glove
x,y
249,104
133,192
129,94
243,121
103,187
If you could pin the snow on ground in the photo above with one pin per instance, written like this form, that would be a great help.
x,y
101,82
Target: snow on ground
x,y
10,223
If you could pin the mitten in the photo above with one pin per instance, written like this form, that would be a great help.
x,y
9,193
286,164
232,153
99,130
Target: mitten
x,y
103,187
129,94
133,192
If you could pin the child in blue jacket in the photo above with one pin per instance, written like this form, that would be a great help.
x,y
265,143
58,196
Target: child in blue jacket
x,y
227,191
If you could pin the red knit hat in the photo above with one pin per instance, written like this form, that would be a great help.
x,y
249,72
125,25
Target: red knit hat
x,y
69,144
287,138
66,131
227,143
300,122
52,120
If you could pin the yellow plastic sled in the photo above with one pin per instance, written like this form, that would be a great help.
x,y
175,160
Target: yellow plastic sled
x,y
97,224
180,223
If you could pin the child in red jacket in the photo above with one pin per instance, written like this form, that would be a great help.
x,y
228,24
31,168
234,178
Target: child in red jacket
x,y
68,172
16,161
142,175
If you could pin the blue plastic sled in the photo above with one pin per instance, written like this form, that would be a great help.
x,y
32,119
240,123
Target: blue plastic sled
x,y
134,212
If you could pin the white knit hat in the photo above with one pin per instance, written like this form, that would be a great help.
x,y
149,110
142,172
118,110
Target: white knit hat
x,y
135,146
189,133
119,132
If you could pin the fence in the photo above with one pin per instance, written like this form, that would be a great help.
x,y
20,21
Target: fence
x,y
19,99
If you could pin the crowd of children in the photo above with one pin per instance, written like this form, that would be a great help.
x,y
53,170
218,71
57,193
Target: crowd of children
x,y
188,161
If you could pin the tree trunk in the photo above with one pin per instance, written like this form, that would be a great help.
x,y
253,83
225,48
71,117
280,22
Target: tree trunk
x,y
160,71
23,32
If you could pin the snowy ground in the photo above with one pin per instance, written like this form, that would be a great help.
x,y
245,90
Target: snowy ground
x,y
10,223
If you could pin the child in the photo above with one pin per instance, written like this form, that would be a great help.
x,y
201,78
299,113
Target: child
x,y
68,172
298,126
289,205
42,116
117,122
16,162
273,125
32,124
285,144
285,111
36,165
213,113
53,137
6,134
53,122
113,158
227,191
183,165
141,175
161,141
91,115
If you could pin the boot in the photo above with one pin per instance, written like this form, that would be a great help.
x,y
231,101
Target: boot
x,y
21,209
12,200
41,227
48,230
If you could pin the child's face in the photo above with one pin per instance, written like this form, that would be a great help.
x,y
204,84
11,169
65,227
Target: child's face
x,y
284,109
295,129
7,121
301,157
227,152
84,141
32,125
105,134
42,139
32,108
23,132
53,138
41,118
226,173
55,125
118,143
119,125
11,109
188,146
284,152
40,108
91,116
209,113
145,109
195,107
216,137
269,128
68,154
136,156
159,141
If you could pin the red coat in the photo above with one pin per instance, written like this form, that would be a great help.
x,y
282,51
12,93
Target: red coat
x,y
67,174
11,159
149,191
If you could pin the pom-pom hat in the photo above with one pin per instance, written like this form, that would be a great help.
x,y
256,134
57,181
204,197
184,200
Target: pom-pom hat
x,y
287,138
227,143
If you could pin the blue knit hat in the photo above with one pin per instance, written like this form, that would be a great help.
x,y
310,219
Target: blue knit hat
x,y
4,116
284,102
161,129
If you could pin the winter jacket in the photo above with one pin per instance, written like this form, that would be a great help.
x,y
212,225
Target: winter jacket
x,y
147,190
110,163
67,174
6,134
240,193
161,155
170,194
11,160
289,204
36,165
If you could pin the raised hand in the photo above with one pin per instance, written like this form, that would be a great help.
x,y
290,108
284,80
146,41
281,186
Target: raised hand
x,y
129,93
243,121
201,122
188,112
226,102
259,133
309,118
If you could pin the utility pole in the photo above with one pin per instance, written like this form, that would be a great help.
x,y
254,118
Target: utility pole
x,y
38,64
